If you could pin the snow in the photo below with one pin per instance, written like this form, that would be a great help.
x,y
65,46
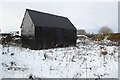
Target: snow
x,y
82,36
83,61
0,62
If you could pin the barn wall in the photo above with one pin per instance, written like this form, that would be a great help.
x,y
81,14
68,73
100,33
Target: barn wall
x,y
27,26
70,37
47,37
27,30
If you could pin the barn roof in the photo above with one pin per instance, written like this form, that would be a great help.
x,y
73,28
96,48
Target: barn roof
x,y
41,19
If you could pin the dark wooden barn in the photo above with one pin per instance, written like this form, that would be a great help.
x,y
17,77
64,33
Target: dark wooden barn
x,y
42,30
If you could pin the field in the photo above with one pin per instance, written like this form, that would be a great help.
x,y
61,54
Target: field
x,y
82,61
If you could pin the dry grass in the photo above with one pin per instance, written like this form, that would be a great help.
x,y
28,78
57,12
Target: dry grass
x,y
113,37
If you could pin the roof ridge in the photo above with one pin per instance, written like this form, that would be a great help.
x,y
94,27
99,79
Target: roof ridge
x,y
44,13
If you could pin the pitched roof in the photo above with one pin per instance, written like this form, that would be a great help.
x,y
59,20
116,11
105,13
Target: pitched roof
x,y
41,19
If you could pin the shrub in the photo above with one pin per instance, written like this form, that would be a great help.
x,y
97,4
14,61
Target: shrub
x,y
7,39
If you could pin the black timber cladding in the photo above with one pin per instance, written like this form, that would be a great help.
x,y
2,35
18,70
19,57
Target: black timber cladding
x,y
41,19
42,30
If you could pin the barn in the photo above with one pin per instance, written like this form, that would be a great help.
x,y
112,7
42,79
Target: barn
x,y
41,30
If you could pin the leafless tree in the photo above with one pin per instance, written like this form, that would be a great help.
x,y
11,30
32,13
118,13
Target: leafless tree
x,y
105,30
81,32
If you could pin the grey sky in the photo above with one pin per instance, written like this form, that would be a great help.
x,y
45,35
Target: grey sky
x,y
84,15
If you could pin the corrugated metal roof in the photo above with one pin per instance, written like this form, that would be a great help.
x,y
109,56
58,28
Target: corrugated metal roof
x,y
41,19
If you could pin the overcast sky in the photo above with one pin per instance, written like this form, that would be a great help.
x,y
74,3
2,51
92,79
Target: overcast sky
x,y
84,15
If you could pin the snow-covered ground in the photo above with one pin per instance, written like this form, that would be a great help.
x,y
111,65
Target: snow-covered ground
x,y
82,61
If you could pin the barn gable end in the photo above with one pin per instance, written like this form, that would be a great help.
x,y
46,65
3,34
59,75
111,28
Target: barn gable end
x,y
27,29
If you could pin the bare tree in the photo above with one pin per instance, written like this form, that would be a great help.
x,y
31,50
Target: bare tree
x,y
105,30
81,32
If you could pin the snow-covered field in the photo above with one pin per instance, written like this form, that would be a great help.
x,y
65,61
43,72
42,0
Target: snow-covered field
x,y
83,61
